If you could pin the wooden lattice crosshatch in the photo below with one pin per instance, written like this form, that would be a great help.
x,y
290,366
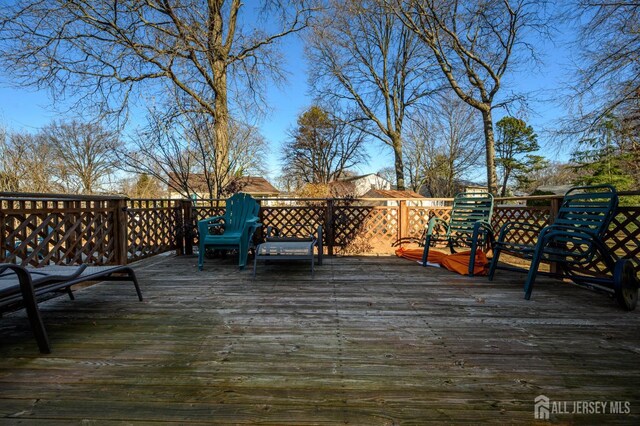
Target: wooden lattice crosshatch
x,y
370,228
64,229
56,231
300,221
153,227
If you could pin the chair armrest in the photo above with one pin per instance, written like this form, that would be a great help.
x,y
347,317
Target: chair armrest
x,y
482,225
509,227
572,233
205,225
252,225
211,220
272,231
433,222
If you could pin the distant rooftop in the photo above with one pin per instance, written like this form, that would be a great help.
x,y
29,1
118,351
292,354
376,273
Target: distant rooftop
x,y
391,193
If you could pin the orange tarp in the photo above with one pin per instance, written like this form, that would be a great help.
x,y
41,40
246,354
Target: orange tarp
x,y
456,262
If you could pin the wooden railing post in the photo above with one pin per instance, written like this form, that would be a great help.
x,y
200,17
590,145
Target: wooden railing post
x,y
403,220
187,225
329,222
3,236
554,208
120,236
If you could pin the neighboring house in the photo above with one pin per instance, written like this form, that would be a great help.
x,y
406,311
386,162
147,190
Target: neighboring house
x,y
554,189
364,183
471,187
460,186
256,186
342,189
393,197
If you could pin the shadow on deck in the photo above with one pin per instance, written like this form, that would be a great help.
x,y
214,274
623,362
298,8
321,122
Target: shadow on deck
x,y
368,340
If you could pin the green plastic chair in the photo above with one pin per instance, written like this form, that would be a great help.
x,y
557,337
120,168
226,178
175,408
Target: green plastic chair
x,y
574,240
239,222
469,226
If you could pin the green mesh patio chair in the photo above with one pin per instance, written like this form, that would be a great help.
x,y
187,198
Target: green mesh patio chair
x,y
574,241
469,226
239,222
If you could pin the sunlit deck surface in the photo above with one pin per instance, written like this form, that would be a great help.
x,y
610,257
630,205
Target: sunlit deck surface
x,y
368,340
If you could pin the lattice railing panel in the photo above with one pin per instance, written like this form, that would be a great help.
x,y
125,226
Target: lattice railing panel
x,y
532,215
204,212
299,221
62,229
361,229
419,218
623,238
153,227
45,231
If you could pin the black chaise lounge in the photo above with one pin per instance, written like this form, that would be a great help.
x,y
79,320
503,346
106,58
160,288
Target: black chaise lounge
x,y
24,287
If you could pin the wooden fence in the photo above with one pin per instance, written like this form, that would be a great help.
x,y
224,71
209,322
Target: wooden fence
x,y
42,229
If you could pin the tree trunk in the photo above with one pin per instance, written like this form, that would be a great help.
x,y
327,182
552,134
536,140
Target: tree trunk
x,y
505,179
492,177
396,143
221,126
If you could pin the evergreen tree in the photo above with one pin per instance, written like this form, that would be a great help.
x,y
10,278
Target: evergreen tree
x,y
516,139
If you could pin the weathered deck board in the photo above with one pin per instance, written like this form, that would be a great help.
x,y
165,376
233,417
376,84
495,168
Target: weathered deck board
x,y
368,340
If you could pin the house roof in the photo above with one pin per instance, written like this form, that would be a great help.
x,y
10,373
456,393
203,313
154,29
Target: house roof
x,y
256,185
391,193
352,178
556,189
342,188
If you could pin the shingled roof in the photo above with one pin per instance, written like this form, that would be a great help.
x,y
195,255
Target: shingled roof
x,y
254,185
391,193
257,185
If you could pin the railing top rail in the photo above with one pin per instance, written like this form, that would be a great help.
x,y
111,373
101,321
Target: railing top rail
x,y
56,197
27,196
332,199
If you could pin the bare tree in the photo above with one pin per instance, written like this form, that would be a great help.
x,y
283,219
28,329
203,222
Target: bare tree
x,y
244,156
142,186
608,74
474,43
27,164
360,53
85,154
389,174
160,151
179,149
444,145
322,147
108,53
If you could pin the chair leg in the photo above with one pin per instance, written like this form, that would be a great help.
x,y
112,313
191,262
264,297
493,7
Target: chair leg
x,y
255,265
425,252
35,319
494,262
243,253
132,277
531,275
472,259
200,256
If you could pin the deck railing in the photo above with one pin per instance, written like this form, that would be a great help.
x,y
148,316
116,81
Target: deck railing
x,y
40,229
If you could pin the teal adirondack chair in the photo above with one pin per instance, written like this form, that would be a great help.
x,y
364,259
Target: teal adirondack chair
x,y
575,239
239,222
470,225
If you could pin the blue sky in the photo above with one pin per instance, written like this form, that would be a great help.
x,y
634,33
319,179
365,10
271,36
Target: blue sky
x,y
26,109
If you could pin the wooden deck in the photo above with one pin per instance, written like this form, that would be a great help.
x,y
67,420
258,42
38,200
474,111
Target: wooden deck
x,y
368,340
